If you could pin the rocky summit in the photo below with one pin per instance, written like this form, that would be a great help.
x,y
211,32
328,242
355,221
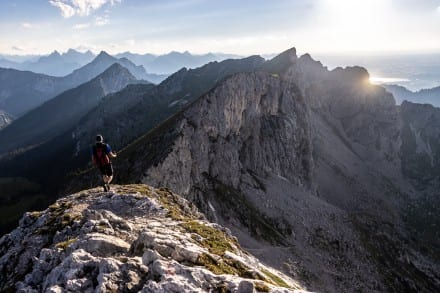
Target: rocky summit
x,y
132,239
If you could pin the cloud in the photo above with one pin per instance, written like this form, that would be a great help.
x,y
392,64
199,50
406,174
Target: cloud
x,y
16,48
27,25
438,8
66,10
100,21
70,8
81,26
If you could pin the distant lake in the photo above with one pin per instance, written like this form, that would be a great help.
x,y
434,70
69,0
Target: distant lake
x,y
415,72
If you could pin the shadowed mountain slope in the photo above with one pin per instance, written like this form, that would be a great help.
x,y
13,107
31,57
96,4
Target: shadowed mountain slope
x,y
62,112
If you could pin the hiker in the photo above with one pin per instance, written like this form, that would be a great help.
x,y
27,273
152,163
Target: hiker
x,y
101,153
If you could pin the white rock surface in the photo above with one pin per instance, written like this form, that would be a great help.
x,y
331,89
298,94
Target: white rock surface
x,y
132,239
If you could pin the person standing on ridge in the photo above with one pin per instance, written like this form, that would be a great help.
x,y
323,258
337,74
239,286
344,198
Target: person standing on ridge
x,y
101,153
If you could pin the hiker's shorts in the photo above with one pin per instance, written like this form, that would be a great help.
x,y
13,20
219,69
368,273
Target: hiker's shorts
x,y
106,170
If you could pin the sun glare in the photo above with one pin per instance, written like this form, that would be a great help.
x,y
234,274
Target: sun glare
x,y
381,80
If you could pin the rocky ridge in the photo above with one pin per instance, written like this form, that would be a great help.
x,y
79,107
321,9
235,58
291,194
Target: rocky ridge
x,y
304,169
132,239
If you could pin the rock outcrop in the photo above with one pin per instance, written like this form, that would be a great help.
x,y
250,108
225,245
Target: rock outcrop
x,y
132,239
310,174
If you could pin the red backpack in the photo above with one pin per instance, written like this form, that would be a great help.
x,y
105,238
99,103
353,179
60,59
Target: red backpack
x,y
100,155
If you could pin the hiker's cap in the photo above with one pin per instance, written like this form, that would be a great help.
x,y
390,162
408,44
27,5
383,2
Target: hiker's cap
x,y
99,138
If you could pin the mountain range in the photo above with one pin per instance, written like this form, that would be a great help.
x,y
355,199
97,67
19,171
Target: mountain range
x,y
424,96
120,117
303,164
56,64
21,91
317,172
64,111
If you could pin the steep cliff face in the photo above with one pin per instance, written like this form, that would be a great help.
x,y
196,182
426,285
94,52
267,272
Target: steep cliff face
x,y
356,130
252,123
135,110
243,153
132,239
315,168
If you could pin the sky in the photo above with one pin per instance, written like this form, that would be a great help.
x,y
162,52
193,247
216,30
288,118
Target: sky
x,y
241,27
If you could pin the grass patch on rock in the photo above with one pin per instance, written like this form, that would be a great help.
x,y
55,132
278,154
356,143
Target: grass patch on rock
x,y
214,240
276,280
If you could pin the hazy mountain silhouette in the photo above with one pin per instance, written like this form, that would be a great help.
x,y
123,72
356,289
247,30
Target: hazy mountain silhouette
x,y
57,64
174,61
21,91
424,96
64,111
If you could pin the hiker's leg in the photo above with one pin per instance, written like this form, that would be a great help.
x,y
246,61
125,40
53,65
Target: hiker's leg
x,y
105,178
109,179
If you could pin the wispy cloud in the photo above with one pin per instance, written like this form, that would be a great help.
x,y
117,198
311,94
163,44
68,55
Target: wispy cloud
x,y
27,25
81,26
70,8
438,8
17,48
100,21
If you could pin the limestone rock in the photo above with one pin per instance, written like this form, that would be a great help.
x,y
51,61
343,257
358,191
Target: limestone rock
x,y
134,239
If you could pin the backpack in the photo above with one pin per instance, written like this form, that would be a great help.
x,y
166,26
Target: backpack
x,y
100,155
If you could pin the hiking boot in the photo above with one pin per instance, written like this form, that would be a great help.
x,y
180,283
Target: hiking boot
x,y
106,188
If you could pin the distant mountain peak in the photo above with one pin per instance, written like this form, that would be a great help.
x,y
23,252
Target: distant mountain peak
x,y
117,71
55,53
104,54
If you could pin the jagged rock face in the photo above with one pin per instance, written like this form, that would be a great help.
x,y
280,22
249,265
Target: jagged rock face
x,y
132,239
136,110
364,115
243,154
253,123
320,174
312,185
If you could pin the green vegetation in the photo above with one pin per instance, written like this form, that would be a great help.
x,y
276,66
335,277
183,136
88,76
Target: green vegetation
x,y
275,279
214,240
216,266
57,218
